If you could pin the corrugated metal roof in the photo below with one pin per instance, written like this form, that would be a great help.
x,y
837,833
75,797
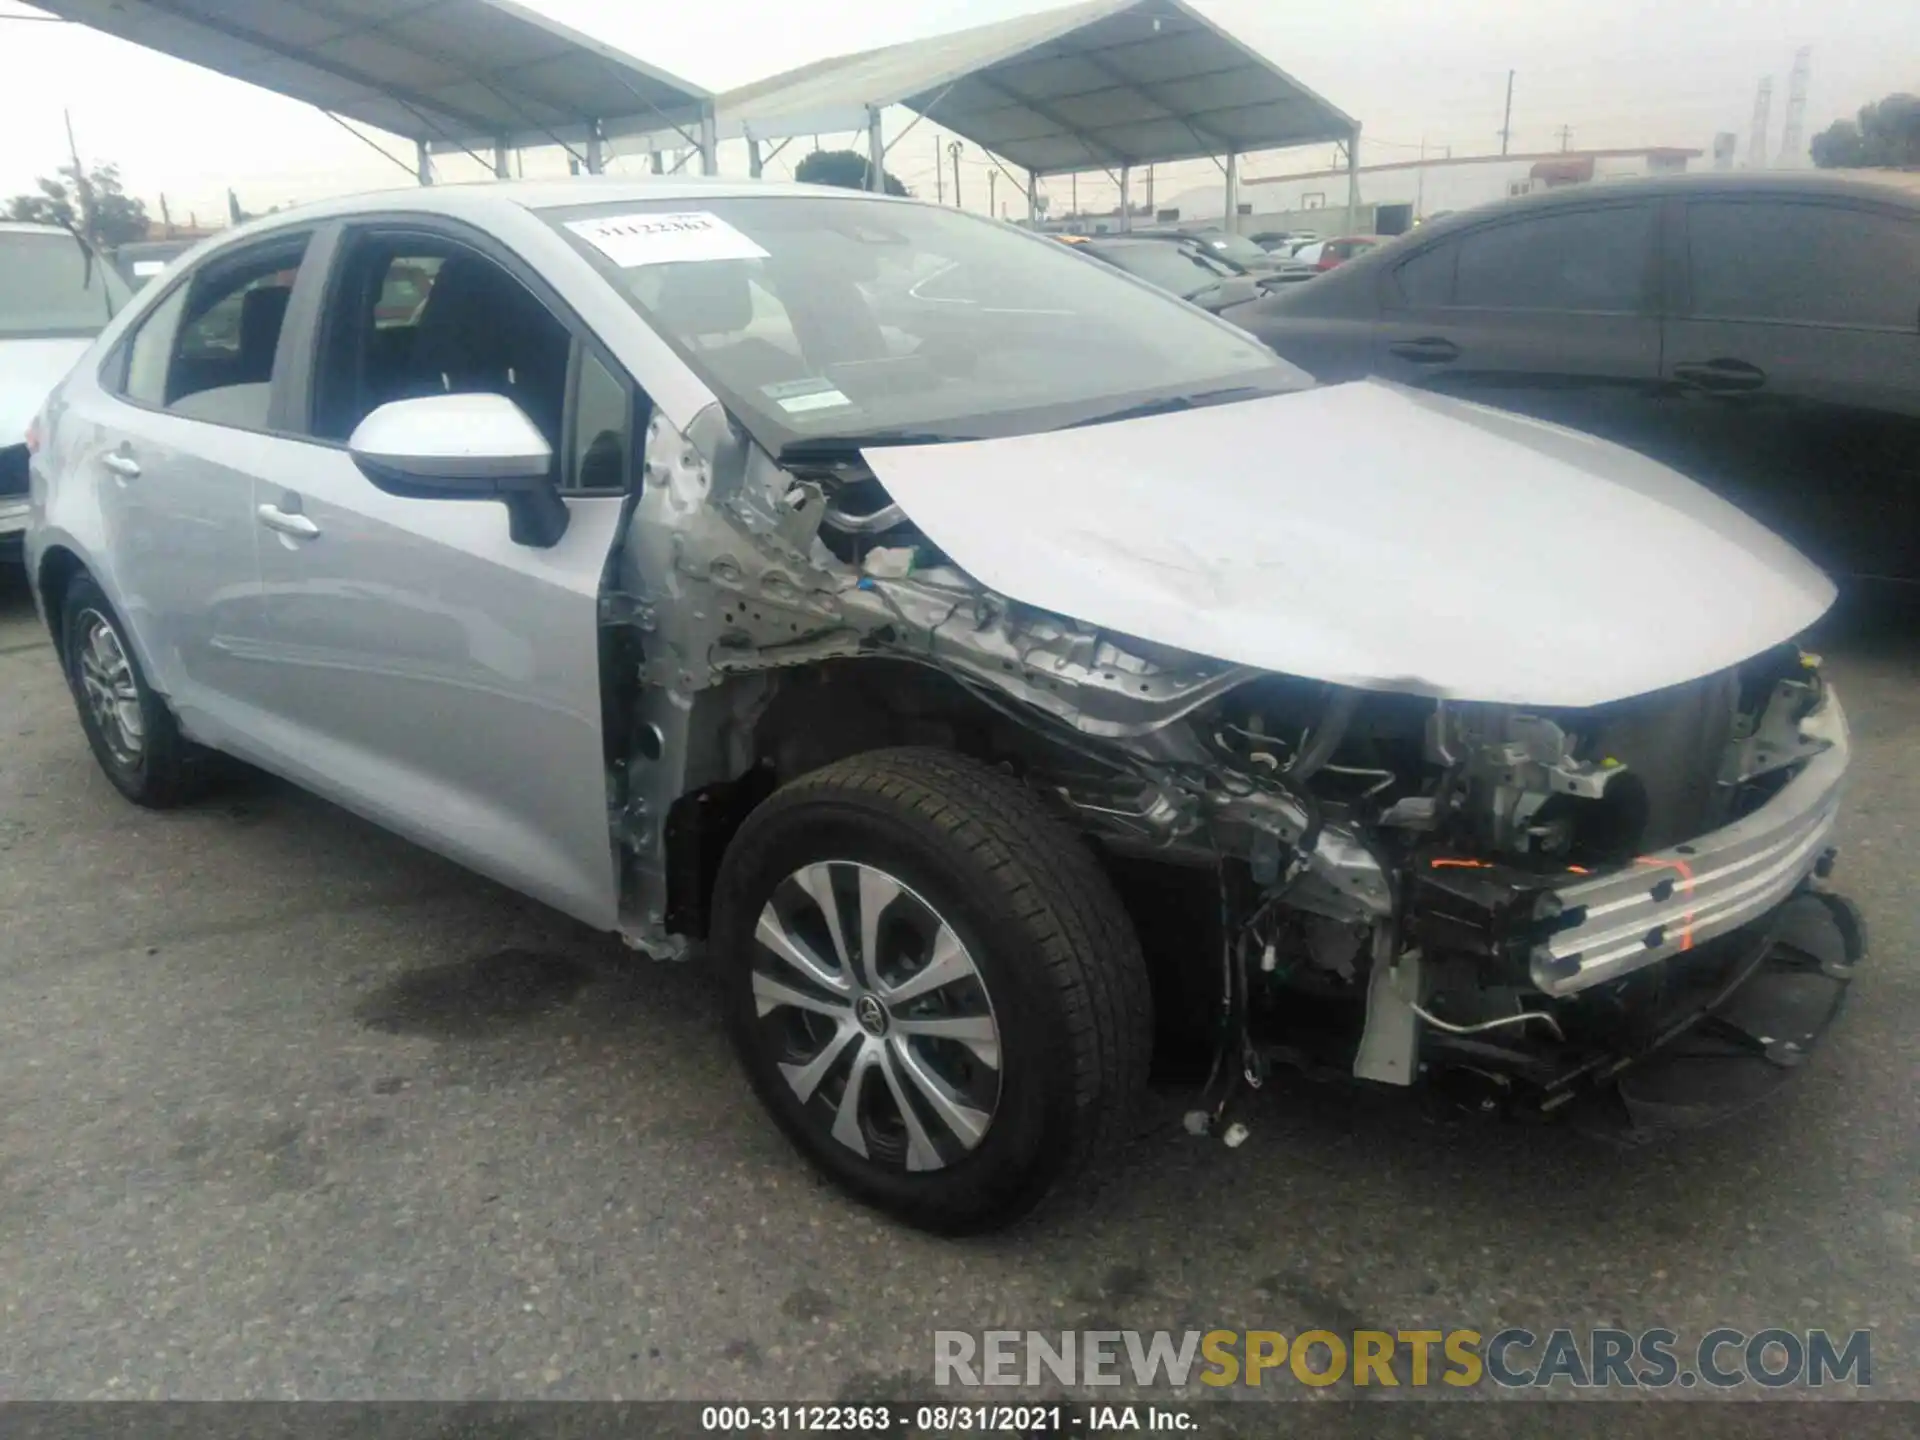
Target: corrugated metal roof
x,y
467,71
1094,85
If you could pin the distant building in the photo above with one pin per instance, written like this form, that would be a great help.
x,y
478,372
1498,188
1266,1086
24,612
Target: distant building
x,y
1398,194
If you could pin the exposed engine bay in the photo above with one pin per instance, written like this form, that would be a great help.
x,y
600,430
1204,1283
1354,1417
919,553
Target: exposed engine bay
x,y
1529,901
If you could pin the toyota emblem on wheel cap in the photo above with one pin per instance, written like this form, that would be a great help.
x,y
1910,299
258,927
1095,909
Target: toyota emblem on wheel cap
x,y
871,1014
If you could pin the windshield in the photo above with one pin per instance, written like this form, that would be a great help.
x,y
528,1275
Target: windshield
x,y
1171,267
1234,247
46,290
847,316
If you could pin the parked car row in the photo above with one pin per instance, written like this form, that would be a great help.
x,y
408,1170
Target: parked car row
x,y
1759,332
1179,264
916,612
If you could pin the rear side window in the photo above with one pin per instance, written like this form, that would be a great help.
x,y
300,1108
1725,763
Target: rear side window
x,y
1815,264
207,351
1582,260
150,349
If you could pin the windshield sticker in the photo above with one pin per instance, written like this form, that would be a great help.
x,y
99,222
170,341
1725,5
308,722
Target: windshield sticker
x,y
817,400
796,397
648,239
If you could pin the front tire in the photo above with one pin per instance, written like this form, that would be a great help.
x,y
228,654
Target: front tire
x,y
133,735
932,985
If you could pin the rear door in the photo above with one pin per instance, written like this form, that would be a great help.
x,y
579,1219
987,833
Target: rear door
x,y
1554,313
428,671
183,420
1794,353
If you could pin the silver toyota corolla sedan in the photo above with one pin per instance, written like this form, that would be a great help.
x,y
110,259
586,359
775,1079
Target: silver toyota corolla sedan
x,y
910,617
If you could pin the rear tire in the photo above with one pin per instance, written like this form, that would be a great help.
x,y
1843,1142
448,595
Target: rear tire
x,y
957,1103
133,735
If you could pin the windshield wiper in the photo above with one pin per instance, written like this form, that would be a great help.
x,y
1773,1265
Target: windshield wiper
x,y
1168,404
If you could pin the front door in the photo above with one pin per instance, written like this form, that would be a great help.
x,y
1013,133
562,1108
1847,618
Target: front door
x,y
1554,314
430,672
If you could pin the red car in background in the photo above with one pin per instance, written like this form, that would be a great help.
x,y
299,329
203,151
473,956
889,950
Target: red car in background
x,y
1325,254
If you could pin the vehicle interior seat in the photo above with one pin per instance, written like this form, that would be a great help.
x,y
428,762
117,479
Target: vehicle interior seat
x,y
481,331
710,304
263,311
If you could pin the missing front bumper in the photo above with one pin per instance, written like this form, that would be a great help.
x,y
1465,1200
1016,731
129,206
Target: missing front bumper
x,y
1722,1057
1669,902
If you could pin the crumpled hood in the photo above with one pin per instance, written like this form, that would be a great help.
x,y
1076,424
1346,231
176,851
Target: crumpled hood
x,y
1372,536
29,369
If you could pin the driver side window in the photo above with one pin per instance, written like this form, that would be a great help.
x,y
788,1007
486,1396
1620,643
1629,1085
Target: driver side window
x,y
421,315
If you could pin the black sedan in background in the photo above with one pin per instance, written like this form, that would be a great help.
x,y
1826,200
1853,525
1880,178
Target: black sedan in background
x,y
1759,332
1178,263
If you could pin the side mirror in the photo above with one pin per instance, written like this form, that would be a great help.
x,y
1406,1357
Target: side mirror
x,y
465,447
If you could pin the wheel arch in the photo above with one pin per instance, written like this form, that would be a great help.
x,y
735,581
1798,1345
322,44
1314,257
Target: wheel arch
x,y
812,717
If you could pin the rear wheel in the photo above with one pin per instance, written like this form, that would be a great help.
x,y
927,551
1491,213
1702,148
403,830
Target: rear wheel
x,y
132,733
932,985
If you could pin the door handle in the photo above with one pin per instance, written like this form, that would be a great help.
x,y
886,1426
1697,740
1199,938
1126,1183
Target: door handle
x,y
299,526
1427,350
121,464
1722,377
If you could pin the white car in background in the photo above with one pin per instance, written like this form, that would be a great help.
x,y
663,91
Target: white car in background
x,y
55,296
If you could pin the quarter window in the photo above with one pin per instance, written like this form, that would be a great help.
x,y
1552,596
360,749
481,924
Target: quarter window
x,y
602,414
150,349
1815,264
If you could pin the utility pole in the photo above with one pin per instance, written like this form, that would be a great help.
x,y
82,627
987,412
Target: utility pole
x,y
1074,203
992,206
1506,118
1566,137
953,149
939,173
1151,212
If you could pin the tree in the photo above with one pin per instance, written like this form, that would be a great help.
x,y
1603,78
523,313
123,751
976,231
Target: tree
x,y
1886,135
848,169
90,201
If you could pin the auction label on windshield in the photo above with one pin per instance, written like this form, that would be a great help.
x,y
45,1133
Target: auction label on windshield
x,y
649,238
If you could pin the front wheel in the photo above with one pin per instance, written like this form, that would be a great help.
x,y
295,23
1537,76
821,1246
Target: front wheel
x,y
932,985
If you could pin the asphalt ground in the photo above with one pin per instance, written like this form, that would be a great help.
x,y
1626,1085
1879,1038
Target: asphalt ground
x,y
294,1109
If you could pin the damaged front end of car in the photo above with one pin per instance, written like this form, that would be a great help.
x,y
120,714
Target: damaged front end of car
x,y
1615,909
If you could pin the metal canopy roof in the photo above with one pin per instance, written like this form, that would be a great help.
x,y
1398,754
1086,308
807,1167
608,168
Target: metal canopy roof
x,y
1091,86
446,72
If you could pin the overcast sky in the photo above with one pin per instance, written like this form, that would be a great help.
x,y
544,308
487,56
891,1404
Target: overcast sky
x,y
1630,72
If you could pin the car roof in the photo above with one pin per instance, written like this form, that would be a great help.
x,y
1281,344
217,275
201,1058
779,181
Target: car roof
x,y
1901,187
482,199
